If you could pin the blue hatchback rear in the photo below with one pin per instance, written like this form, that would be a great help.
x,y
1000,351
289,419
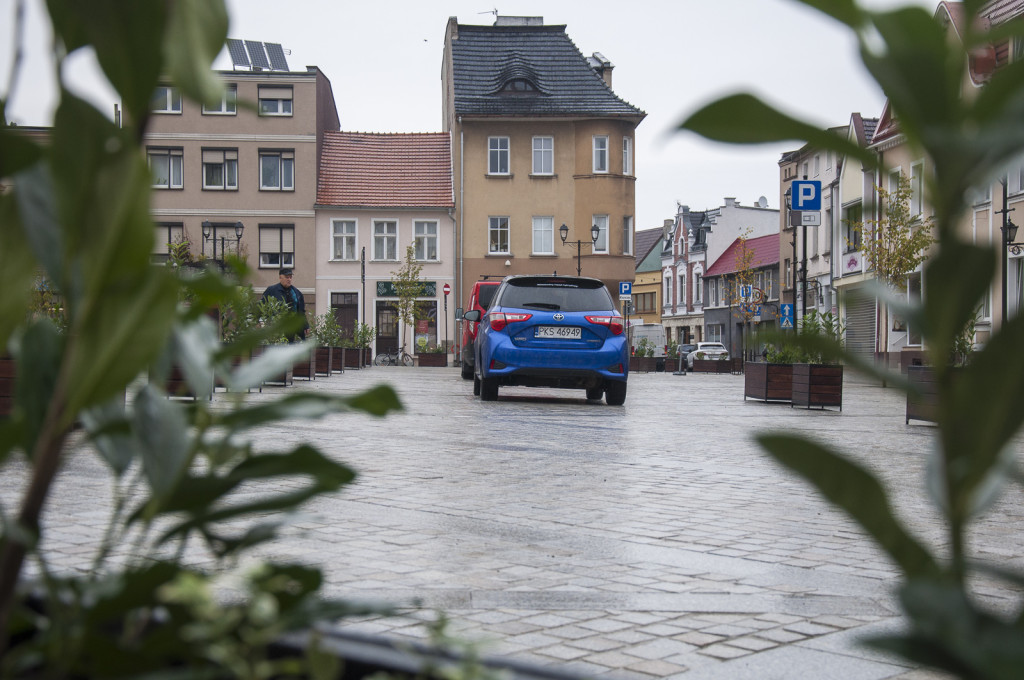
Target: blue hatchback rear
x,y
552,331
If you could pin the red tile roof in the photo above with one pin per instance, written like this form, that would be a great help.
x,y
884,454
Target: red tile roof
x,y
766,253
360,169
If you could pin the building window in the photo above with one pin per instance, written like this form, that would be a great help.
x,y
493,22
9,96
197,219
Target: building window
x,y
497,155
714,332
682,291
343,237
275,100
167,235
227,106
713,293
627,156
645,302
220,169
425,234
916,189
666,289
543,155
385,240
277,245
277,170
600,153
497,236
543,235
853,222
787,273
166,99
601,245
627,235
698,281
166,167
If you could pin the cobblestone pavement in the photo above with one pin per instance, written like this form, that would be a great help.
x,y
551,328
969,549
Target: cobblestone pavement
x,y
655,540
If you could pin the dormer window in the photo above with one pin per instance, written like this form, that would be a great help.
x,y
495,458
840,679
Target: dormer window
x,y
519,85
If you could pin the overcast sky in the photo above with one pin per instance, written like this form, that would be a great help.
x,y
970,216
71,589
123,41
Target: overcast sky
x,y
670,57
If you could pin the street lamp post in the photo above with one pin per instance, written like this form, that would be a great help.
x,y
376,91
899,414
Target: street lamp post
x,y
563,232
210,234
1009,230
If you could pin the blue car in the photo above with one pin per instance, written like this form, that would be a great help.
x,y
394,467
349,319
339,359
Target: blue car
x,y
551,331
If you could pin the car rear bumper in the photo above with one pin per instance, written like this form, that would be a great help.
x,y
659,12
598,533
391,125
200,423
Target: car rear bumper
x,y
511,365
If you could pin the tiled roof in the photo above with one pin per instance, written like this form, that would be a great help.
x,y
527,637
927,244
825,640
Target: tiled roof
x,y
402,170
486,58
766,253
645,241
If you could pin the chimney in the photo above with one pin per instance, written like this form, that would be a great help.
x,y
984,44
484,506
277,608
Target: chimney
x,y
602,67
667,228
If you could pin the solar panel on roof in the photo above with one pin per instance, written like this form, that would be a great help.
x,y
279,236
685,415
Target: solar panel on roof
x,y
276,54
237,51
257,54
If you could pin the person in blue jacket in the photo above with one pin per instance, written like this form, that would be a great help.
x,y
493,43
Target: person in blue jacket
x,y
291,296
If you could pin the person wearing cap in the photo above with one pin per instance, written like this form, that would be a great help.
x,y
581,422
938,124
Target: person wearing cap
x,y
291,296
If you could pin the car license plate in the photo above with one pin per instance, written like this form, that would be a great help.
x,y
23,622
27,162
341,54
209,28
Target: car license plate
x,y
570,332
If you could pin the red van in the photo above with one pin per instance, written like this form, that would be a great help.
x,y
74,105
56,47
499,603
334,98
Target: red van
x,y
480,297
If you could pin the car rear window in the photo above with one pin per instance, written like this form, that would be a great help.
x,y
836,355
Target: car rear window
x,y
485,295
565,295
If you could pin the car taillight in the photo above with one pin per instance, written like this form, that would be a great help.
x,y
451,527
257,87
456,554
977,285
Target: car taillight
x,y
614,323
499,320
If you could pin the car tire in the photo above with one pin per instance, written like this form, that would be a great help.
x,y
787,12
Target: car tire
x,y
488,389
467,370
615,393
595,393
476,386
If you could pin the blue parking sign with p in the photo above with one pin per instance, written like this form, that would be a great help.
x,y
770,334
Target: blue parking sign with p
x,y
806,195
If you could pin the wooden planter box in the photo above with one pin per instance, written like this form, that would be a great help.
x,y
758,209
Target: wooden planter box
x,y
768,382
6,385
922,406
305,368
646,364
351,359
432,359
323,360
712,366
285,378
817,385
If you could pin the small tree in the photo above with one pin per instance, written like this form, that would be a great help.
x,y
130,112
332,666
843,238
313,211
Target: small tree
x,y
896,245
741,306
327,330
408,287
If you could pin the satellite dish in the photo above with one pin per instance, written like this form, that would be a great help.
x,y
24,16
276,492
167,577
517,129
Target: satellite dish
x,y
762,202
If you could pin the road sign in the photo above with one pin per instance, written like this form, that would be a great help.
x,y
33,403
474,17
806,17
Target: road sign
x,y
810,219
785,316
745,291
447,289
806,195
625,290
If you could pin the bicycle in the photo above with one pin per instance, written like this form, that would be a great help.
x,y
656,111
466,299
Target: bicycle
x,y
396,358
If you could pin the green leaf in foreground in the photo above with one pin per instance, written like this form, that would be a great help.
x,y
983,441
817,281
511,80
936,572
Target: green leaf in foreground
x,y
856,491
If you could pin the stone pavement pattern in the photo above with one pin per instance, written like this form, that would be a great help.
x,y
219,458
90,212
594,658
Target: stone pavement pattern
x,y
651,540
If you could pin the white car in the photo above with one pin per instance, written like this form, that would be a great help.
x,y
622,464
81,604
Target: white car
x,y
707,350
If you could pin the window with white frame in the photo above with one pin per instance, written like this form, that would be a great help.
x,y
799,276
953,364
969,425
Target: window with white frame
x,y
916,189
220,169
787,273
166,99
343,240
228,104
627,235
544,235
627,155
425,236
714,332
497,155
666,289
385,240
600,153
498,235
601,245
167,235
853,224
698,293
713,293
166,166
543,155
277,245
682,290
277,170
275,100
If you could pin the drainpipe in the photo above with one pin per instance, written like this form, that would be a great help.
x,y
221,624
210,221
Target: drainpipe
x,y
462,220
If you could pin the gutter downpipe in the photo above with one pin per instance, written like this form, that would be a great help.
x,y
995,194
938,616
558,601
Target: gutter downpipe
x,y
462,222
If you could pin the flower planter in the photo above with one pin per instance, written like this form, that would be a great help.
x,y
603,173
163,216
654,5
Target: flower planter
x,y
305,368
921,406
285,378
351,358
712,366
646,364
817,385
6,385
432,359
322,360
768,382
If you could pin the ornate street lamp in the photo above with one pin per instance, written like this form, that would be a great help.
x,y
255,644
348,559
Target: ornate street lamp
x,y
563,232
1009,230
210,234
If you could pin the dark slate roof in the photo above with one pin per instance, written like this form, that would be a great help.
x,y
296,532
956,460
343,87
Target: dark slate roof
x,y
400,170
644,242
485,58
